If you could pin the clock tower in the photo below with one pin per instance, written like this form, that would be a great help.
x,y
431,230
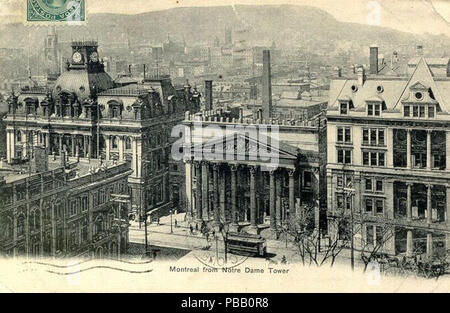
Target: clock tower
x,y
85,56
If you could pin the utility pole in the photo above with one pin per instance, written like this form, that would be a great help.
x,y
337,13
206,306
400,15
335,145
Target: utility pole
x,y
352,250
145,231
171,230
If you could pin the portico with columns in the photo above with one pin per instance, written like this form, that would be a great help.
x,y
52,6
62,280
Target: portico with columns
x,y
249,195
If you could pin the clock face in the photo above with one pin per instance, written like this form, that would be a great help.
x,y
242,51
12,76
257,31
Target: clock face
x,y
94,56
77,57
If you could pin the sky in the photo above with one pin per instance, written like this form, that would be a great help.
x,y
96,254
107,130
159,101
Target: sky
x,y
416,16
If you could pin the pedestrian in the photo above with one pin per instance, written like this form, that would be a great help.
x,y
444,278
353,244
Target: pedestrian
x,y
191,229
157,221
196,228
214,234
176,223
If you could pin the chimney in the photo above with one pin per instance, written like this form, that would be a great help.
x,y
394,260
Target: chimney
x,y
266,87
360,74
373,60
338,71
419,50
208,95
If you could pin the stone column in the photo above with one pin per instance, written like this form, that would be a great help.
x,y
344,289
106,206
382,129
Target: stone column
x,y
278,186
216,192
233,193
409,243
53,217
447,216
8,146
429,245
429,209
408,202
73,145
14,231
253,195
291,193
273,220
429,165
121,141
205,190
198,191
48,143
447,150
60,136
408,148
188,183
89,139
107,146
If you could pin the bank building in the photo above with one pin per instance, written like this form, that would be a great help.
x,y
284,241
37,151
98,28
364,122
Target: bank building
x,y
85,118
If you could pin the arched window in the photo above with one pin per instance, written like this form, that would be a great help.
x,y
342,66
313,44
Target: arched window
x,y
19,136
20,225
128,143
115,142
8,230
34,220
98,225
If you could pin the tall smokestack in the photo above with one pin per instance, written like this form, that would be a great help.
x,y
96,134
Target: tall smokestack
x,y
373,60
208,95
266,87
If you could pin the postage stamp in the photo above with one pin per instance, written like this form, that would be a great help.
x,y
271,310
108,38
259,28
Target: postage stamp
x,y
56,10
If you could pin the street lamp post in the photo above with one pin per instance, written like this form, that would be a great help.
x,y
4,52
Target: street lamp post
x,y
145,230
171,230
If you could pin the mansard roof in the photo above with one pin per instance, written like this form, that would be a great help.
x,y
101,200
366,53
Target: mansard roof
x,y
391,89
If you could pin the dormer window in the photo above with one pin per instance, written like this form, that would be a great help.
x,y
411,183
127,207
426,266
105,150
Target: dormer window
x,y
374,109
345,105
115,109
344,108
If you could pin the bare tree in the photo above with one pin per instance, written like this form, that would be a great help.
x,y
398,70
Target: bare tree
x,y
300,231
372,248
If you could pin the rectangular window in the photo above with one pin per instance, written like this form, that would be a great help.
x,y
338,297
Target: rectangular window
x,y
344,156
340,134
421,111
340,201
368,184
344,134
373,158
381,159
365,136
373,136
379,185
381,137
347,158
369,205
344,108
377,109
366,158
370,109
73,208
369,235
431,111
415,111
379,206
307,179
406,111
347,135
379,235
84,202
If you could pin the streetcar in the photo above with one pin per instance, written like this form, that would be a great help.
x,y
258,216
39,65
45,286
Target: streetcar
x,y
246,244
